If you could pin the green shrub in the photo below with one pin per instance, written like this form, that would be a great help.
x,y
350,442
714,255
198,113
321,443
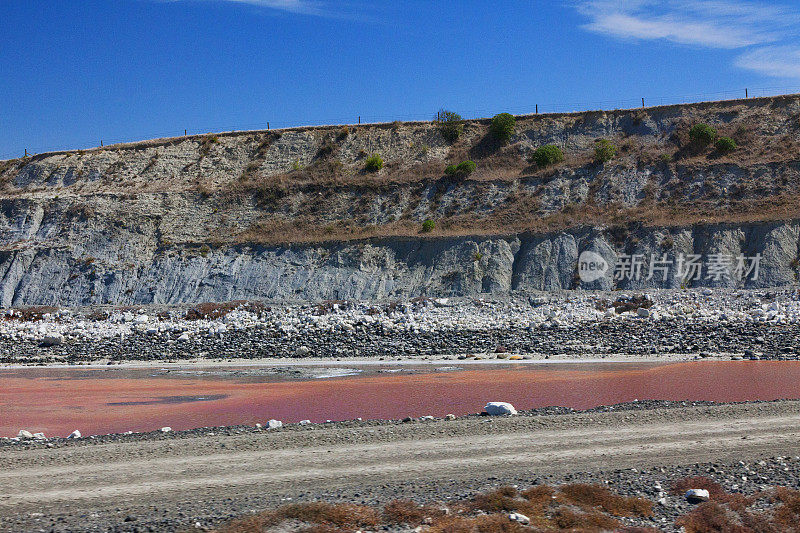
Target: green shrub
x,y
374,163
702,134
549,154
604,151
428,226
503,127
725,144
464,168
450,125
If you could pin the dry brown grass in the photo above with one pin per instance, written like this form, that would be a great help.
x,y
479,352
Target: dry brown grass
x,y
771,511
30,314
571,507
601,498
411,513
213,310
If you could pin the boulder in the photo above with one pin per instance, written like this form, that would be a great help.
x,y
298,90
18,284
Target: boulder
x,y
53,339
449,416
302,351
519,518
74,435
304,422
24,434
499,408
39,436
696,495
166,429
642,312
274,424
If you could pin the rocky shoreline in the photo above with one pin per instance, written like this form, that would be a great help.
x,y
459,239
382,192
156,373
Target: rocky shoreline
x,y
665,324
221,431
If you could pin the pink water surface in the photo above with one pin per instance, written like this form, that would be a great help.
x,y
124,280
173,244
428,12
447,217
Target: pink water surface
x,y
57,402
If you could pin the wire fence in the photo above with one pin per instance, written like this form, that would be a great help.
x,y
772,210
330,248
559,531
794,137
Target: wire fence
x,y
541,108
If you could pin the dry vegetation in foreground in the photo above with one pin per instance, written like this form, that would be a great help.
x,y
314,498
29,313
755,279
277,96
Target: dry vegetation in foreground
x,y
572,507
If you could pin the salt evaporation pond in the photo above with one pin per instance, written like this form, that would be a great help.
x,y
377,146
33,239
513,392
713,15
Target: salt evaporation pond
x,y
56,401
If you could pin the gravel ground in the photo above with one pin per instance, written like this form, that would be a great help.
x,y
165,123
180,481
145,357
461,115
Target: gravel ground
x,y
156,482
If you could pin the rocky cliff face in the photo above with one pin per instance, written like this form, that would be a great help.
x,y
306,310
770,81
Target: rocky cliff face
x,y
294,215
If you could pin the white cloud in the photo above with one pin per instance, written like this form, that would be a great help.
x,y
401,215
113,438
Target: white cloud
x,y
776,61
708,23
306,7
303,7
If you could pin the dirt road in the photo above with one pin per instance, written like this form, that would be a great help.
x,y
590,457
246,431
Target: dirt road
x,y
183,480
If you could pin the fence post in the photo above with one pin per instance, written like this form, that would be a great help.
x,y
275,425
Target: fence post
x,y
745,93
359,119
267,125
184,133
26,152
642,102
101,143
537,109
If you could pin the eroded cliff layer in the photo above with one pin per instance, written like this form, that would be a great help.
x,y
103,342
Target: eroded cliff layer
x,y
294,214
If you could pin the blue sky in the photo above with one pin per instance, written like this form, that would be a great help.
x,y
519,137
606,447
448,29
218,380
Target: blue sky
x,y
73,73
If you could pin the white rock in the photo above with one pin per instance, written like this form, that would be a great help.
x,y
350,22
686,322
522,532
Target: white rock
x,y
142,319
75,435
500,408
53,339
39,436
520,518
166,429
258,426
184,337
304,422
707,292
302,351
696,495
449,416
24,434
274,424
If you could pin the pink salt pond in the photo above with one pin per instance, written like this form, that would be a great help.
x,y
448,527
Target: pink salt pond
x,y
98,401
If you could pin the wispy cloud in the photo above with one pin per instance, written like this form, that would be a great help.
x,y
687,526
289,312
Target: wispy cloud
x,y
316,8
710,23
726,24
776,61
305,7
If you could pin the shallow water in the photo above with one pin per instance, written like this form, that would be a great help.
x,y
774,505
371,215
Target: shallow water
x,y
57,401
